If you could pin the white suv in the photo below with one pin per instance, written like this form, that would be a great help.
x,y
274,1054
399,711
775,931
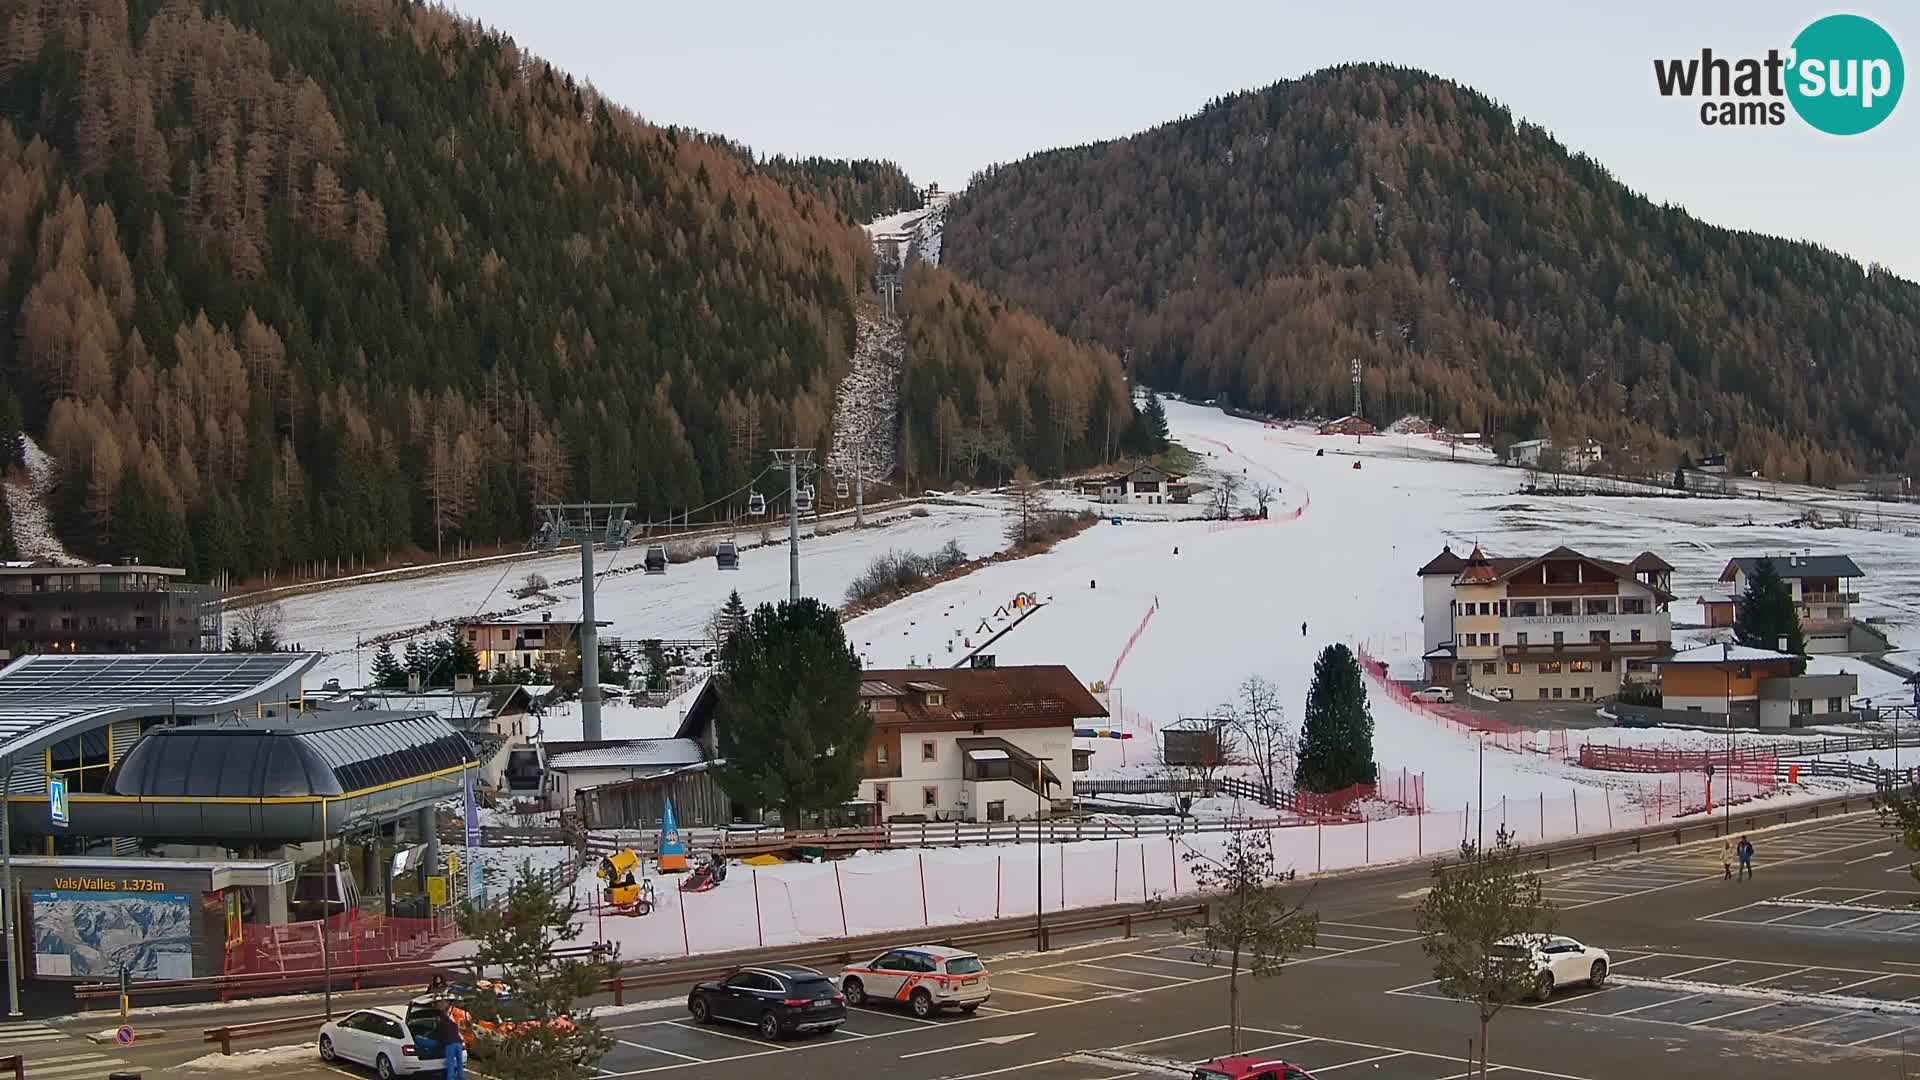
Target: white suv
x,y
1557,961
925,978
1434,693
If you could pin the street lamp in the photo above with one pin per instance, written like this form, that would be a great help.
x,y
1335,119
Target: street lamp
x,y
1039,851
1726,796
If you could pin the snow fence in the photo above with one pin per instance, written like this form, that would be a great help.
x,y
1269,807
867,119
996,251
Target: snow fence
x,y
907,889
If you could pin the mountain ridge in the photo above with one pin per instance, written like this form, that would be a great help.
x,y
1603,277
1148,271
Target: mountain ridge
x,y
1481,271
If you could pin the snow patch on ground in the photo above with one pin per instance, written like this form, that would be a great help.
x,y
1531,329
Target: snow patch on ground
x,y
27,500
253,1061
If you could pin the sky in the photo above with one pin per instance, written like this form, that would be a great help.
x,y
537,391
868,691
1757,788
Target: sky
x,y
947,89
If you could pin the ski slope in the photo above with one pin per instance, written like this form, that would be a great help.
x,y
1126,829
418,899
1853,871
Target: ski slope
x,y
674,605
1176,634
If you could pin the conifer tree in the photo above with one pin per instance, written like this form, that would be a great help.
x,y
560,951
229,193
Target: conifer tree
x,y
1153,418
387,672
1336,739
1767,616
791,726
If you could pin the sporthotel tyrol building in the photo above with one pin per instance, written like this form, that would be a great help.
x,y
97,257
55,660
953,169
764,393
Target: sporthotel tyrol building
x,y
1557,626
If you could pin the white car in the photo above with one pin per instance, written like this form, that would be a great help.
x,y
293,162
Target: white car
x,y
1434,693
1557,961
378,1038
925,978
1503,693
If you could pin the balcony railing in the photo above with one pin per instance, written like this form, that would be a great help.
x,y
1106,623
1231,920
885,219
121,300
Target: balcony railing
x,y
1830,598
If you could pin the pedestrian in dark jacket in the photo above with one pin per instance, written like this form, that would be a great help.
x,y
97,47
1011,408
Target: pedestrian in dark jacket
x,y
1746,857
447,1034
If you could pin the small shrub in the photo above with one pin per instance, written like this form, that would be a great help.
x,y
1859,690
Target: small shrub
x,y
1638,694
901,570
919,511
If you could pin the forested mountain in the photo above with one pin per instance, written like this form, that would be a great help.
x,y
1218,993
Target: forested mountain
x,y
1480,272
308,279
861,189
989,388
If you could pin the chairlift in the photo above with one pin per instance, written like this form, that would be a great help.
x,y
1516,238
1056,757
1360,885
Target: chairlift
x,y
803,499
547,539
840,489
756,504
656,560
727,555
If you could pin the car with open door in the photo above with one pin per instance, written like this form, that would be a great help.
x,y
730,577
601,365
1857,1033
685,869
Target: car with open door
x,y
774,999
382,1040
924,978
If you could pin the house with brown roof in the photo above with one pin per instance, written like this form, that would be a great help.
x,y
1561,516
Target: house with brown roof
x,y
1558,626
972,744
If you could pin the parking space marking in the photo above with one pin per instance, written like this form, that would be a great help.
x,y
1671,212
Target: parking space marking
x,y
1364,1061
1729,1015
1702,967
1087,982
1029,993
1131,971
657,1050
685,1026
1653,1005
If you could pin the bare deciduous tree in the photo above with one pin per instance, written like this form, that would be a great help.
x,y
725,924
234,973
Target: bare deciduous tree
x,y
1262,494
256,628
1223,491
1250,924
1257,719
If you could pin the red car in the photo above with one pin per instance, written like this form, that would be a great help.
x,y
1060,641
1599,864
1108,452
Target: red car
x,y
1248,1067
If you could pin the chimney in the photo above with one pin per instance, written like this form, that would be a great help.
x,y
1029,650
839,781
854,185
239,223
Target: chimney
x,y
463,684
413,682
546,616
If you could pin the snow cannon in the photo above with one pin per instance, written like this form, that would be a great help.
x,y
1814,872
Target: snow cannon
x,y
625,891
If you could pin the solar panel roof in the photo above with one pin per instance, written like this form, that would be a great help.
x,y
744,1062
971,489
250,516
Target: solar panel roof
x,y
46,694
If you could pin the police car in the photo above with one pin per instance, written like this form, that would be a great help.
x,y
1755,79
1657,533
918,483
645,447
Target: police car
x,y
925,978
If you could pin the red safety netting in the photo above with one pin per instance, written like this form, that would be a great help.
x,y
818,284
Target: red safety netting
x,y
354,940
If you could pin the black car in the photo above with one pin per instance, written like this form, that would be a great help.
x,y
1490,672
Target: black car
x,y
775,999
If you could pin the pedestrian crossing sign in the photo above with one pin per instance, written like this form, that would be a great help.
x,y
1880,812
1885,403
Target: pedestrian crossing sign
x,y
57,800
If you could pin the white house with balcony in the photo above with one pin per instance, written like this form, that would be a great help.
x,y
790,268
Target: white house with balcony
x,y
1823,595
972,744
1554,627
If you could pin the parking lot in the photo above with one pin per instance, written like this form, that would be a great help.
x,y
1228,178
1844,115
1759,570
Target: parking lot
x,y
1762,979
1110,972
1730,994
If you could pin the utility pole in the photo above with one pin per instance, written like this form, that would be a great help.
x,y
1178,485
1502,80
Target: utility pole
x,y
8,912
585,522
860,479
1356,387
795,459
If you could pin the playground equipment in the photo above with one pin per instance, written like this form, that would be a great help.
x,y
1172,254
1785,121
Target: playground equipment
x,y
626,893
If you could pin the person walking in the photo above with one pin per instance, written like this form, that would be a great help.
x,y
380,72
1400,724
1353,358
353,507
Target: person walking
x,y
1303,629
1746,858
447,1033
1726,859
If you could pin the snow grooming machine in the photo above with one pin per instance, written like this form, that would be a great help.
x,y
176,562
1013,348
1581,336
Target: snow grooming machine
x,y
709,871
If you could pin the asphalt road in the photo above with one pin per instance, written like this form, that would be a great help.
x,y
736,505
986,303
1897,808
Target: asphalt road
x,y
1710,976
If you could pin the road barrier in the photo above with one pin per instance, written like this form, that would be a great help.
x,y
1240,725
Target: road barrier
x,y
224,1037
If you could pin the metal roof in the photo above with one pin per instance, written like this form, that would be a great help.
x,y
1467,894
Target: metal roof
x,y
46,696
1798,566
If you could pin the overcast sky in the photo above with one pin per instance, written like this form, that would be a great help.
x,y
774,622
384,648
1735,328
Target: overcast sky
x,y
945,89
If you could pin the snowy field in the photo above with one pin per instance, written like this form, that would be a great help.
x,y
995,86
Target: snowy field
x,y
674,605
1175,634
